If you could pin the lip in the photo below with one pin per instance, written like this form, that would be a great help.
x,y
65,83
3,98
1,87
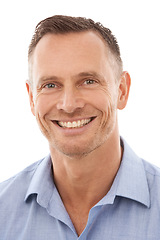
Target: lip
x,y
76,130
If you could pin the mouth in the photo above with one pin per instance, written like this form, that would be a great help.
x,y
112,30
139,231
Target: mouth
x,y
74,124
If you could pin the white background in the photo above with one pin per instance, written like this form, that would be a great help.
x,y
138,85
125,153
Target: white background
x,y
136,24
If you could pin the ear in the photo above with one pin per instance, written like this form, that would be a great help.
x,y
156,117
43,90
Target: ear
x,y
30,93
124,87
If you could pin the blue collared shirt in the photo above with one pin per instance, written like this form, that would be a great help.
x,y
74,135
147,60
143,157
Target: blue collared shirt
x,y
31,208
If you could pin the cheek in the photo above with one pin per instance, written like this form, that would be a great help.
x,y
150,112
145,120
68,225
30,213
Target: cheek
x,y
44,103
106,104
102,101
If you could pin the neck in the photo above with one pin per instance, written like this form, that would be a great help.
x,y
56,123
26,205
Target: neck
x,y
90,177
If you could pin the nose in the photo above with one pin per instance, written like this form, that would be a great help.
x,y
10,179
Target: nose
x,y
70,100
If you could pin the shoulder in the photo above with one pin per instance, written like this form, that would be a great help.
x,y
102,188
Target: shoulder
x,y
13,208
19,182
153,176
151,169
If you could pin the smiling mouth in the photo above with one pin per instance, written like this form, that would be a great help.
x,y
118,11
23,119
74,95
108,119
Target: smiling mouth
x,y
74,124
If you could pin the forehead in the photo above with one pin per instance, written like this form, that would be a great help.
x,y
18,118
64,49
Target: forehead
x,y
71,41
69,54
87,35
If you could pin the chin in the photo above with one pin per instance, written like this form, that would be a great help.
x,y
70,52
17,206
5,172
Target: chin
x,y
72,150
75,152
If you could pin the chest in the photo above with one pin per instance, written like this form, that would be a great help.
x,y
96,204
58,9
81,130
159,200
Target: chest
x,y
79,218
119,221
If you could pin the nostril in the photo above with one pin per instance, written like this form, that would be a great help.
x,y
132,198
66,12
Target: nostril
x,y
70,105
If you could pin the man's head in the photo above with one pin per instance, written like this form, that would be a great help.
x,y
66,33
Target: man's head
x,y
73,94
60,24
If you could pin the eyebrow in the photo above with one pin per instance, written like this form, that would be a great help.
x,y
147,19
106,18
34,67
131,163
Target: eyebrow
x,y
90,74
44,79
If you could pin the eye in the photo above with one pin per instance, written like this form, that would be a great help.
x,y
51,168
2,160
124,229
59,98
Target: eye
x,y
89,81
50,85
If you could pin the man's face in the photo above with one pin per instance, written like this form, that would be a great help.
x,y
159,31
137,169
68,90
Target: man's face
x,y
74,92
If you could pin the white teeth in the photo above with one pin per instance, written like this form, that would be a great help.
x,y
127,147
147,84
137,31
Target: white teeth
x,y
75,124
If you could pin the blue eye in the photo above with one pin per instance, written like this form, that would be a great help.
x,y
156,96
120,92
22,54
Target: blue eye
x,y
50,85
89,81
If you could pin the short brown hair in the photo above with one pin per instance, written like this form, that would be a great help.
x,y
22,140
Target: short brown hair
x,y
60,24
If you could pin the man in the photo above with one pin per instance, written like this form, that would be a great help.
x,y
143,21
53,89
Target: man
x,y
92,185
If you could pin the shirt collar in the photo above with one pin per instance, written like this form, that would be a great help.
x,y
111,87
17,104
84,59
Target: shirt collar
x,y
42,185
130,181
42,182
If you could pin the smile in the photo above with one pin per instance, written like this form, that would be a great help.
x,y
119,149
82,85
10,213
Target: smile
x,y
74,124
